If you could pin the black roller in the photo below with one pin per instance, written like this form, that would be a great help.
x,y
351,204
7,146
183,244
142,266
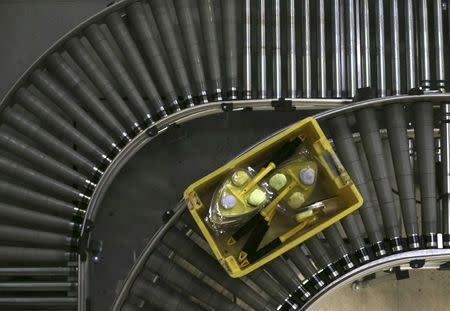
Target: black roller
x,y
186,282
37,286
86,96
38,271
135,61
162,296
12,255
172,47
40,181
43,161
209,27
305,266
348,154
152,53
184,10
104,50
32,130
56,92
281,271
36,106
336,243
102,83
268,284
38,200
230,45
356,238
322,258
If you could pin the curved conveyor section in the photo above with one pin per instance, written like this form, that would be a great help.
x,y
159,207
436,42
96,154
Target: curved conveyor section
x,y
125,75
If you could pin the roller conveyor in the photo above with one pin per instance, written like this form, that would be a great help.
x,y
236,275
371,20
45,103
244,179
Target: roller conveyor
x,y
127,74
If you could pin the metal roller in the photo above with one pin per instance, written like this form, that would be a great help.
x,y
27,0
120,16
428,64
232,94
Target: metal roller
x,y
42,161
230,37
41,201
336,243
38,271
136,63
103,48
28,218
52,144
281,271
343,54
80,88
276,51
102,83
306,49
365,43
356,238
187,282
37,286
173,47
322,258
351,47
261,52
348,153
209,27
321,61
247,91
336,47
45,302
36,106
50,87
270,286
184,11
160,295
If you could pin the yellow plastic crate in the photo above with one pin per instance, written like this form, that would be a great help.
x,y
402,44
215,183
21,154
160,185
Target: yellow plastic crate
x,y
199,195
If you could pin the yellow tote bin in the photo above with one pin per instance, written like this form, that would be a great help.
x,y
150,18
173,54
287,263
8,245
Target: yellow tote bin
x,y
334,179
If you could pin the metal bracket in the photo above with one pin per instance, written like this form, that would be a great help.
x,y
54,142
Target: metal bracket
x,y
86,245
400,274
227,107
417,264
282,105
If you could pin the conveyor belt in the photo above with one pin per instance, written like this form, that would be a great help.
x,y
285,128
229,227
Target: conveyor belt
x,y
127,74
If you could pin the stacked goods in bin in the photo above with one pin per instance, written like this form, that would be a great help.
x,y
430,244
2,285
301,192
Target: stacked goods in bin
x,y
272,198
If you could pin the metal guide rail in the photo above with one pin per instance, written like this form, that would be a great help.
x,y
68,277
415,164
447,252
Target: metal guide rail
x,y
128,73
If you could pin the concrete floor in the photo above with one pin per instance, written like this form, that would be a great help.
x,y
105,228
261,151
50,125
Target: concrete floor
x,y
425,290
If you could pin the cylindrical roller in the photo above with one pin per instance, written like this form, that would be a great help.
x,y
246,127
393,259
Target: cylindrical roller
x,y
186,248
351,47
230,37
306,49
104,50
261,52
359,63
50,87
33,104
398,141
350,225
43,302
303,264
336,47
40,181
272,288
322,258
187,282
44,162
192,45
21,216
34,238
381,48
348,154
162,296
151,51
86,95
343,54
424,126
247,51
209,27
365,35
172,47
321,61
51,143
280,271
38,271
410,45
11,255
395,49
370,137
334,239
276,50
107,89
37,286
134,59
291,50
35,199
